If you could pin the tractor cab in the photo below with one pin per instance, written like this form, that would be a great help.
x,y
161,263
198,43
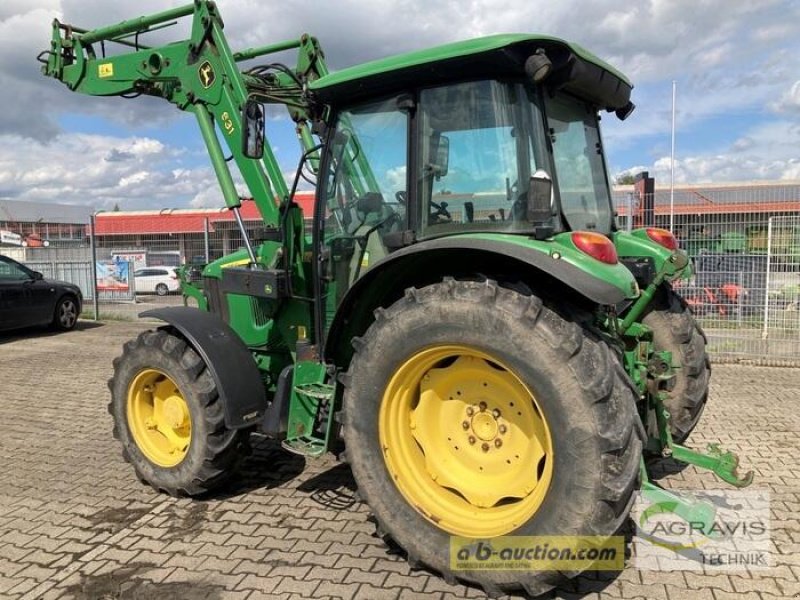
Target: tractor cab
x,y
492,136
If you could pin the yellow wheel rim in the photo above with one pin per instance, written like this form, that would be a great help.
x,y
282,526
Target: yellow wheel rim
x,y
465,441
158,418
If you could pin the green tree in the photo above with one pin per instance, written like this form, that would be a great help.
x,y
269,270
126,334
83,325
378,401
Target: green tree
x,y
625,179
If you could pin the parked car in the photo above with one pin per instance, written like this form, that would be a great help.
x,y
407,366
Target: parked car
x,y
28,299
156,280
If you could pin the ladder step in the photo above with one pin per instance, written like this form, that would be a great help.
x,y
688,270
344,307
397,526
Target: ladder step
x,y
305,446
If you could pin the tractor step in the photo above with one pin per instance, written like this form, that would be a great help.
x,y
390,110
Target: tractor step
x,y
305,446
310,410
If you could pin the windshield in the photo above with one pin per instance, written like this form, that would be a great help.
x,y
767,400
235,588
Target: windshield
x,y
478,149
580,170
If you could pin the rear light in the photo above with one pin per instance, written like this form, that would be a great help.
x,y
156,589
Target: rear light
x,y
662,237
595,245
174,275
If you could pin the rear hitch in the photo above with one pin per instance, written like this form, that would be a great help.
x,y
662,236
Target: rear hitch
x,y
724,464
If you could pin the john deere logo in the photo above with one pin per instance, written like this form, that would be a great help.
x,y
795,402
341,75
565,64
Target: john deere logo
x,y
207,75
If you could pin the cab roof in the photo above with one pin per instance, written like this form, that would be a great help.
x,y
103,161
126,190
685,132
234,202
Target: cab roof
x,y
495,56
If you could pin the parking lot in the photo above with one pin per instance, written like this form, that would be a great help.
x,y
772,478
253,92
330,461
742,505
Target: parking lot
x,y
75,522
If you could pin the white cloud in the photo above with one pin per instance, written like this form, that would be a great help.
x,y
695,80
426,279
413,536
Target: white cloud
x,y
97,170
790,101
765,152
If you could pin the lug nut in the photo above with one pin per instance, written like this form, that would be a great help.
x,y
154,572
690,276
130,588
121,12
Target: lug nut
x,y
502,429
470,411
498,442
471,439
496,413
485,447
465,425
482,406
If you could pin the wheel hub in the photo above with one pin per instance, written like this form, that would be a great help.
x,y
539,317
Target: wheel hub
x,y
159,418
175,411
484,426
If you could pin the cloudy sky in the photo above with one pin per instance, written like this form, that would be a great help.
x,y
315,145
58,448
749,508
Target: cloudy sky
x,y
736,64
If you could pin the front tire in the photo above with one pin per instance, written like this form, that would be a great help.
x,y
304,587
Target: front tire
x,y
169,417
555,397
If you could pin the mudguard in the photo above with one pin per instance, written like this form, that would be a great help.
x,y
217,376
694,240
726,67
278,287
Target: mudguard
x,y
600,283
231,364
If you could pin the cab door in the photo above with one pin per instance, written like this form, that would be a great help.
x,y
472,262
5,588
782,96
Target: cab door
x,y
362,197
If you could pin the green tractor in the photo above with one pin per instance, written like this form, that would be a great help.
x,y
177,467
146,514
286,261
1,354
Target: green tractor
x,y
464,318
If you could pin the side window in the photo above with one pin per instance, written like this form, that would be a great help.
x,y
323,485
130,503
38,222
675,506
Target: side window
x,y
12,272
476,156
366,182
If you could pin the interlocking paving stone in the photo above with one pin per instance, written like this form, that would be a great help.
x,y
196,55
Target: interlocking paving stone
x,y
75,522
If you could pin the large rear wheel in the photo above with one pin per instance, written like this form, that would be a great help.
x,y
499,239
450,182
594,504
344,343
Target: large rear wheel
x,y
473,410
676,330
169,418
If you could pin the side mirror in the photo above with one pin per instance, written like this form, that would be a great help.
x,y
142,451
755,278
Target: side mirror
x,y
37,276
253,129
540,193
440,149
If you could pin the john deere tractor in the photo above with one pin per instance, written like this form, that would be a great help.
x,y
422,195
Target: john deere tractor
x,y
464,317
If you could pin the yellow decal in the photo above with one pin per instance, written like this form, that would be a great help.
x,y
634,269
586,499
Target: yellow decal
x,y
236,263
105,70
365,260
227,123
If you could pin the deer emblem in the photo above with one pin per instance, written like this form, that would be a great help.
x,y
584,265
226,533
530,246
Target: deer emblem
x,y
207,74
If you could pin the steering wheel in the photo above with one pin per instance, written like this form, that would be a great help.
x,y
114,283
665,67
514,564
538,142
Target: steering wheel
x,y
441,214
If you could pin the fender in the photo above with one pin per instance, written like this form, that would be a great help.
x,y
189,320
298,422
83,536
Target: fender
x,y
231,364
428,261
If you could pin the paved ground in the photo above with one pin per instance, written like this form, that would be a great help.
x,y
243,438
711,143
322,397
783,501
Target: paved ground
x,y
74,522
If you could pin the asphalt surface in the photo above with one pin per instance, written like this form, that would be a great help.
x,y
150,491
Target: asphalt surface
x,y
76,523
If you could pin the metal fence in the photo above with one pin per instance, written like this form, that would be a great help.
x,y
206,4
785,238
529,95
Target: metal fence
x,y
744,243
745,247
77,272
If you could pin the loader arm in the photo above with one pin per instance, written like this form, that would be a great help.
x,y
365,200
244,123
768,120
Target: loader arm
x,y
199,75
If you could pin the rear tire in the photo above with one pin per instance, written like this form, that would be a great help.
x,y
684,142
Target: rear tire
x,y
676,330
575,385
169,417
162,289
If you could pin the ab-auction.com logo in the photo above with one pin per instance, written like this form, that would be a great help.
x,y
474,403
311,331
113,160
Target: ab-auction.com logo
x,y
702,530
538,553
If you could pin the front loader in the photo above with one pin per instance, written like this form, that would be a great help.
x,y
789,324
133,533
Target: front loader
x,y
496,357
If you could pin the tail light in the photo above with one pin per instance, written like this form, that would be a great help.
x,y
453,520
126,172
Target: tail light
x,y
662,237
173,274
595,245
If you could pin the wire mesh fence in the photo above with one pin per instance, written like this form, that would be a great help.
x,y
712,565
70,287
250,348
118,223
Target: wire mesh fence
x,y
137,253
744,242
